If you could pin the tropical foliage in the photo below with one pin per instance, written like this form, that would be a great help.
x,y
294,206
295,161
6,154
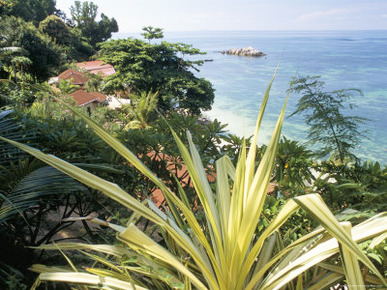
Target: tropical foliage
x,y
45,56
42,35
226,249
28,10
84,14
329,127
152,33
361,186
182,221
293,169
162,67
143,110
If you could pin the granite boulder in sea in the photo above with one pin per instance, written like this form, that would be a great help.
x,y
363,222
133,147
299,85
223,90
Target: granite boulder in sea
x,y
247,51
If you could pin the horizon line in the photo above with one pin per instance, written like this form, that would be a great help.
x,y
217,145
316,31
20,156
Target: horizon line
x,y
263,30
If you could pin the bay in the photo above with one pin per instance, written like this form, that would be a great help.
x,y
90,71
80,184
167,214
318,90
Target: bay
x,y
343,59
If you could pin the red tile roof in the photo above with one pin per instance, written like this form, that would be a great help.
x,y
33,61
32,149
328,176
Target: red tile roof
x,y
177,167
97,67
83,98
78,78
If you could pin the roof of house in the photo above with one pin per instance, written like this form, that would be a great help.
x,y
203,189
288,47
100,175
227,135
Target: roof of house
x,y
83,98
175,166
97,67
78,78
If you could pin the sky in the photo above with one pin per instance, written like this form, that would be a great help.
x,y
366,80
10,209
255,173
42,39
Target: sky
x,y
215,15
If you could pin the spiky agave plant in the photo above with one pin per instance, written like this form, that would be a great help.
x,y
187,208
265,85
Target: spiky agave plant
x,y
226,251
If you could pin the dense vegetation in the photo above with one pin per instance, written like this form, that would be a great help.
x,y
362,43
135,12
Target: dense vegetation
x,y
143,66
336,133
196,225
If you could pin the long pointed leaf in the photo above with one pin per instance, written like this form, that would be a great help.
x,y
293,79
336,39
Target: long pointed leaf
x,y
316,207
137,239
88,279
116,193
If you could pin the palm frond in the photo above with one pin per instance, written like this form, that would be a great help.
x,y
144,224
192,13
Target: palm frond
x,y
34,187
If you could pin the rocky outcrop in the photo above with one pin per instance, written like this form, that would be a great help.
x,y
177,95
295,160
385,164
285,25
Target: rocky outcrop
x,y
247,51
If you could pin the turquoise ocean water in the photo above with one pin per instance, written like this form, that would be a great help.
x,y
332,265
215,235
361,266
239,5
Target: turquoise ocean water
x,y
344,59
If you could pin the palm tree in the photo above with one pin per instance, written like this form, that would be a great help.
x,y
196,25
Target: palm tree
x,y
7,53
143,110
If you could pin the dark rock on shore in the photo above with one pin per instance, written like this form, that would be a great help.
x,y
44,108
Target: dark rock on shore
x,y
247,51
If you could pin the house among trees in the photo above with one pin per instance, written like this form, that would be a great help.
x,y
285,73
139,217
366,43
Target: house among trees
x,y
87,99
97,67
79,77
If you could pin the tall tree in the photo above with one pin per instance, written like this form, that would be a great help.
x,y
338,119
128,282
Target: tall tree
x,y
55,27
29,10
70,39
84,17
7,53
151,32
329,127
142,66
45,55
